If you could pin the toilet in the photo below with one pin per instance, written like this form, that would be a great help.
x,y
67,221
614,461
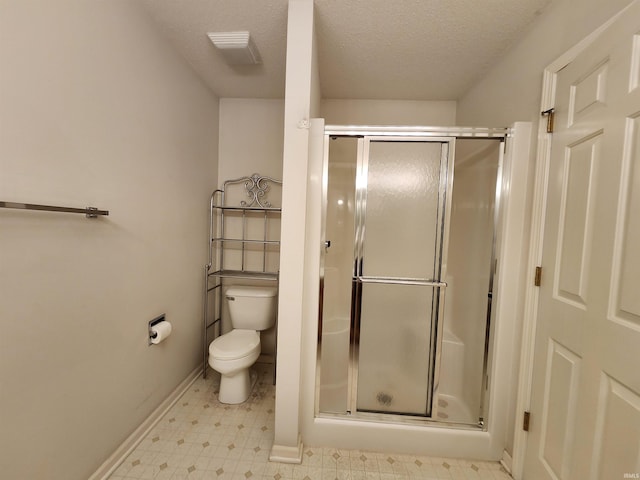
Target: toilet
x,y
251,309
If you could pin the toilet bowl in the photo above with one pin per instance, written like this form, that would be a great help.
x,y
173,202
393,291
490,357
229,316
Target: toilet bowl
x,y
231,355
251,309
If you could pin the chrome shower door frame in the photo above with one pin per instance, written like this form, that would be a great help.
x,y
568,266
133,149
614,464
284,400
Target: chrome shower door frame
x,y
447,150
424,134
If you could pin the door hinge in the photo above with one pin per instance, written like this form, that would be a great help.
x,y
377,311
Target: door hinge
x,y
551,116
525,421
538,277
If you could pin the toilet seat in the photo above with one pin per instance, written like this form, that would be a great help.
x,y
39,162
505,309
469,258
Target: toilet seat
x,y
235,344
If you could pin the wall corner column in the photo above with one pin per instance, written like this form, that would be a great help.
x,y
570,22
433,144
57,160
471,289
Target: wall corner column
x,y
287,444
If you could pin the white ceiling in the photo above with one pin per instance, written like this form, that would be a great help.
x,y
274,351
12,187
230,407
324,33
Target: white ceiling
x,y
368,49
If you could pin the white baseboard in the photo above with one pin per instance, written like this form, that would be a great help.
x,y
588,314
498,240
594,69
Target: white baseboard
x,y
506,461
284,454
123,451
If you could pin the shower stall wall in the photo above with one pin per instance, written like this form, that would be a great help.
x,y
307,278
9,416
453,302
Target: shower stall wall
x,y
389,347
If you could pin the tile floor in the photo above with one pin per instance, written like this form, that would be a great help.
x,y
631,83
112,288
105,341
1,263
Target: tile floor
x,y
200,438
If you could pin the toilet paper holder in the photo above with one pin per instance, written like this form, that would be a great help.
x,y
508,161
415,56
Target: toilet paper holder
x,y
152,323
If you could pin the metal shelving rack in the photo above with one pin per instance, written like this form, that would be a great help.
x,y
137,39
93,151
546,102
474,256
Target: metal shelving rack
x,y
251,251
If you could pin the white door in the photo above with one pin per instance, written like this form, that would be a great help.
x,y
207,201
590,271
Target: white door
x,y
585,405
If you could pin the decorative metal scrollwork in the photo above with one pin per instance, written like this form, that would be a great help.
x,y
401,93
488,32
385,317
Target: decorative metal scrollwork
x,y
256,187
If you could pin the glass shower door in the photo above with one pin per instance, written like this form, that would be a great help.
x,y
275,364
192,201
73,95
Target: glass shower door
x,y
400,237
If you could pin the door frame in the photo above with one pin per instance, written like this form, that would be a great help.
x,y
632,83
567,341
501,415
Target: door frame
x,y
541,176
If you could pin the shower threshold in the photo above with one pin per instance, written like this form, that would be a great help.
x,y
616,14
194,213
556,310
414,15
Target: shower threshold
x,y
399,419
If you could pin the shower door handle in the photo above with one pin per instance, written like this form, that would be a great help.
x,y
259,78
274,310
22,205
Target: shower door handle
x,y
327,244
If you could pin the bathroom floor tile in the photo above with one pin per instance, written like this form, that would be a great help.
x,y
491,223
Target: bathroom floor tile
x,y
201,438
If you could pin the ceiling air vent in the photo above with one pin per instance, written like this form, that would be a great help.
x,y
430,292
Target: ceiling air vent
x,y
237,48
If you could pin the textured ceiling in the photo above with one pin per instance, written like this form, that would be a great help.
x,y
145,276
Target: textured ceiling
x,y
368,49
186,23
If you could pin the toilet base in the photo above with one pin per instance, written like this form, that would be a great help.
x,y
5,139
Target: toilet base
x,y
237,388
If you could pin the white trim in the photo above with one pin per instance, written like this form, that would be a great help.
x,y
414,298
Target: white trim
x,y
508,282
506,461
525,376
285,454
122,452
531,293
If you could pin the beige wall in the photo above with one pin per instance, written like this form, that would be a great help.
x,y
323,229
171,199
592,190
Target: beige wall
x,y
95,109
251,141
388,112
251,138
511,91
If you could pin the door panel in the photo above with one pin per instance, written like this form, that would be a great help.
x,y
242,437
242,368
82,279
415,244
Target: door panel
x,y
402,205
618,411
625,301
585,408
576,217
394,347
558,416
400,217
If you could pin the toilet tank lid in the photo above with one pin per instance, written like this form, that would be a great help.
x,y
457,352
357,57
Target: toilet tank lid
x,y
238,291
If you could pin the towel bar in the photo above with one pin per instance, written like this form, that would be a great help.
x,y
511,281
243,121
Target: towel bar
x,y
90,212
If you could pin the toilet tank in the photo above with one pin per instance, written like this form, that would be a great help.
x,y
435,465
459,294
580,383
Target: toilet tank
x,y
252,308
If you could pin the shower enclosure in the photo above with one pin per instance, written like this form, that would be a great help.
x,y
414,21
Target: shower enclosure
x,y
389,346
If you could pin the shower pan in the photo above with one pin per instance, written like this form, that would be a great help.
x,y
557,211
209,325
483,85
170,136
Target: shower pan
x,y
388,347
